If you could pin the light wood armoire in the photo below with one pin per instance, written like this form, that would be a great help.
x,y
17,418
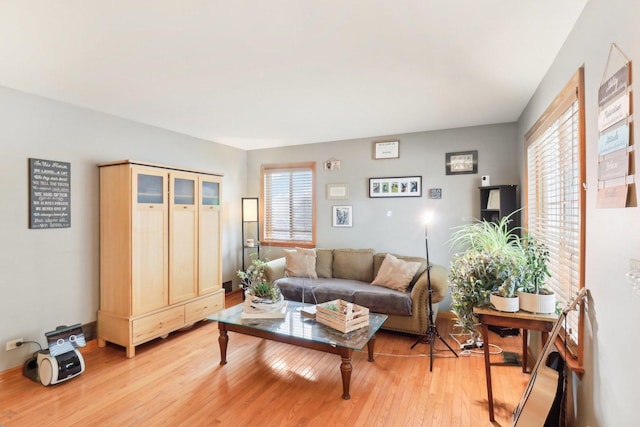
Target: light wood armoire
x,y
160,261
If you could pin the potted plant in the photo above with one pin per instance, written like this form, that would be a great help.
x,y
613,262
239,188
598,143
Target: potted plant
x,y
490,264
509,273
469,288
260,295
534,296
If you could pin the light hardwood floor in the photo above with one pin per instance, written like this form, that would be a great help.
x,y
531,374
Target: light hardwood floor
x,y
179,381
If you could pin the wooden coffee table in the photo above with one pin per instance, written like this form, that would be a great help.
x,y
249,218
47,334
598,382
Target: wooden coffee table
x,y
300,331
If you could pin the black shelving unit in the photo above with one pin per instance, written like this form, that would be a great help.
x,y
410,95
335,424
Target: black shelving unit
x,y
250,229
498,201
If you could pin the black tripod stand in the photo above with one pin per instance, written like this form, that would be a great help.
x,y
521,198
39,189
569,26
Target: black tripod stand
x,y
432,330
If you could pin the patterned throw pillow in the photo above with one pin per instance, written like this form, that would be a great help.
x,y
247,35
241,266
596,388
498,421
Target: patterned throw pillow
x,y
395,273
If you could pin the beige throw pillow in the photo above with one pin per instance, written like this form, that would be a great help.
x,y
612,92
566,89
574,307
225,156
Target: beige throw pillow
x,y
300,263
395,273
379,257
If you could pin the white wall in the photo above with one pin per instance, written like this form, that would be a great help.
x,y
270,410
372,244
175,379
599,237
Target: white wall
x,y
51,277
606,395
396,224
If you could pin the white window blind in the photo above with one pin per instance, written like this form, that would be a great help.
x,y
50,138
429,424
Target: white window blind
x,y
555,204
289,204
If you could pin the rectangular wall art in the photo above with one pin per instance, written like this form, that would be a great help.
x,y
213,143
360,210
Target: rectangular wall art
x,y
343,216
402,186
462,162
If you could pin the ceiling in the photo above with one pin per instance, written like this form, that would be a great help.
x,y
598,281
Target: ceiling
x,y
257,73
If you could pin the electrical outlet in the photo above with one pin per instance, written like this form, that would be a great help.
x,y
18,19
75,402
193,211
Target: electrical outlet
x,y
12,345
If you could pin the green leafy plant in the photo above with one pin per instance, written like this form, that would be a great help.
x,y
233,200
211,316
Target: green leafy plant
x,y
331,306
264,290
509,274
488,236
536,256
254,281
491,262
469,288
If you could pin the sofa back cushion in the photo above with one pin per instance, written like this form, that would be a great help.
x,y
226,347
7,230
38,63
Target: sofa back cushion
x,y
379,258
353,264
324,263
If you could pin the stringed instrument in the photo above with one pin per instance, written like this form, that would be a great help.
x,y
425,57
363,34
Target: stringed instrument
x,y
538,397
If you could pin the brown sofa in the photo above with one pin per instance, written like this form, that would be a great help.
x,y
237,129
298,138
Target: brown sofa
x,y
348,274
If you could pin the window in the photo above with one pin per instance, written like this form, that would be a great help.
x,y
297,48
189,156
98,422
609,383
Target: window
x,y
288,198
555,201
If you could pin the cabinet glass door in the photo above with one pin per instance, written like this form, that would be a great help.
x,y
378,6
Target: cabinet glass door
x,y
210,273
184,191
210,193
149,241
150,189
183,237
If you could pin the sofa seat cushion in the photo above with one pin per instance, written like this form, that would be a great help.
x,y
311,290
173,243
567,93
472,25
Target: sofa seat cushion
x,y
376,298
317,291
384,300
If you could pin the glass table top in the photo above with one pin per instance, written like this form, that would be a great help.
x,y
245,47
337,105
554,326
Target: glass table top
x,y
297,326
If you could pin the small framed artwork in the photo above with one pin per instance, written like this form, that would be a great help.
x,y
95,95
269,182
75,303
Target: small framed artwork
x,y
337,191
402,186
343,216
462,162
386,150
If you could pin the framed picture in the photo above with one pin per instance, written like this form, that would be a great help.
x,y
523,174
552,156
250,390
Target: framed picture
x,y
387,150
337,191
343,216
462,162
402,186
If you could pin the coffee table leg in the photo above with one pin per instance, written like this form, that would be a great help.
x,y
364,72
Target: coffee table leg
x,y
223,339
370,346
345,369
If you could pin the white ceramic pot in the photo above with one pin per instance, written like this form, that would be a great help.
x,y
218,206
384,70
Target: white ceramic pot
x,y
510,305
537,303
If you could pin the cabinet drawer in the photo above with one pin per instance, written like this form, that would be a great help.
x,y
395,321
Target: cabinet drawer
x,y
158,324
199,309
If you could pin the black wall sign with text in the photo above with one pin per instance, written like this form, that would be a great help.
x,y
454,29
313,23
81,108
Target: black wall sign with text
x,y
49,194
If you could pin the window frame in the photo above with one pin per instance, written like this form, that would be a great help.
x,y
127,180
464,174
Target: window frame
x,y
572,93
266,241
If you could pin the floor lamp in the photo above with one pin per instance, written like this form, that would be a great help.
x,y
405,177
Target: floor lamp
x,y
432,330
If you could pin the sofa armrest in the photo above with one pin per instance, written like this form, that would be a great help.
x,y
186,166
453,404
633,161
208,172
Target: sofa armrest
x,y
439,285
275,269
